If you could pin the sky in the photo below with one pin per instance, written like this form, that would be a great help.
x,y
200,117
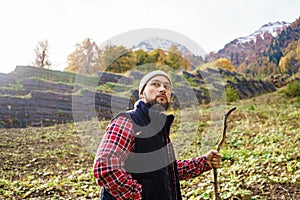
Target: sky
x,y
64,23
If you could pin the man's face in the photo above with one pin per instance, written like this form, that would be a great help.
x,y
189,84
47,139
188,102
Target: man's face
x,y
157,91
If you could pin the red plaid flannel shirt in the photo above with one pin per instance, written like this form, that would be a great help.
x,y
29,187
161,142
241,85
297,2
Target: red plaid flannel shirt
x,y
116,144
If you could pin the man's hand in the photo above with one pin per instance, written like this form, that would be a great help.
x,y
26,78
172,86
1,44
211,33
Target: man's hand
x,y
213,159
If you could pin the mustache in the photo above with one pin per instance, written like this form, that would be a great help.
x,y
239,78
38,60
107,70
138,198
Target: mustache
x,y
161,95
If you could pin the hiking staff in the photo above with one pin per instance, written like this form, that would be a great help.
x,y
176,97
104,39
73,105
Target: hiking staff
x,y
217,196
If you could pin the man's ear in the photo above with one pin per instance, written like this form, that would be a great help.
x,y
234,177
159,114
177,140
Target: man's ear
x,y
142,95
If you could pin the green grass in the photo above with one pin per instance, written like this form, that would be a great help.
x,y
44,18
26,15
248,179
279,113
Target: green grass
x,y
260,155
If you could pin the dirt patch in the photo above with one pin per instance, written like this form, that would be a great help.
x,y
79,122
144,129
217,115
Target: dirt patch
x,y
45,162
274,191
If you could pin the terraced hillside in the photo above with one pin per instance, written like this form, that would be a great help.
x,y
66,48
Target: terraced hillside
x,y
32,96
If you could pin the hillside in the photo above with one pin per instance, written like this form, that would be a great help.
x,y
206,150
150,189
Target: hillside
x,y
33,96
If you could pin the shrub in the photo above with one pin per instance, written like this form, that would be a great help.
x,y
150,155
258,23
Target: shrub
x,y
292,89
231,94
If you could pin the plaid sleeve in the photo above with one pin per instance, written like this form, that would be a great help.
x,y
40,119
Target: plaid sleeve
x,y
109,172
192,168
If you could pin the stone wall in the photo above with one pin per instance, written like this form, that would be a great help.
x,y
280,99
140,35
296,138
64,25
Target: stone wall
x,y
245,88
44,108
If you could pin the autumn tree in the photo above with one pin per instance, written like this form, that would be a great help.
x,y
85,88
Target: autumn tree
x,y
158,55
41,54
285,61
174,57
223,63
290,62
242,68
143,57
298,50
85,58
187,61
117,59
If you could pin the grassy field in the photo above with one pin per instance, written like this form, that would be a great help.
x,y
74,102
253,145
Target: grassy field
x,y
261,158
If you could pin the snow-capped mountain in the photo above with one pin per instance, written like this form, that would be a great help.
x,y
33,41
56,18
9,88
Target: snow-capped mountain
x,y
248,48
157,42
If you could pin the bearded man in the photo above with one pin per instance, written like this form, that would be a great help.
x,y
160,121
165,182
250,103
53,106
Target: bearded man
x,y
136,159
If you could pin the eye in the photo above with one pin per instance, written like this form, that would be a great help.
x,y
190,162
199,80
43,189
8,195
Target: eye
x,y
167,86
155,84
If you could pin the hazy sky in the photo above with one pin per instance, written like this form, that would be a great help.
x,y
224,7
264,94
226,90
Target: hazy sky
x,y
210,24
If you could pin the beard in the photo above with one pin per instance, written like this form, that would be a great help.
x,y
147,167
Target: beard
x,y
156,105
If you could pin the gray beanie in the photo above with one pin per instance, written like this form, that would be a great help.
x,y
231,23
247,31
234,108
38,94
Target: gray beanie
x,y
149,76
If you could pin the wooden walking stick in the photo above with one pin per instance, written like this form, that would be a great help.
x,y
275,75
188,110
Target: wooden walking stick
x,y
217,195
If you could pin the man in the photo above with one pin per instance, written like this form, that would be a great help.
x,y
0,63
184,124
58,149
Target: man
x,y
136,159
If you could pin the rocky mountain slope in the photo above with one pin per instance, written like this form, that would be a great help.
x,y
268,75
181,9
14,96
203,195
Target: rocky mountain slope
x,y
248,48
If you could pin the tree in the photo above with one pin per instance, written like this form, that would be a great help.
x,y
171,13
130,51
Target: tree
x,y
158,55
231,94
187,61
85,59
274,52
290,61
142,57
41,54
174,57
242,68
117,59
223,63
298,50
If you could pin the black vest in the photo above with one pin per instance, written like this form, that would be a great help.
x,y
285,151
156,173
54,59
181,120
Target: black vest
x,y
150,163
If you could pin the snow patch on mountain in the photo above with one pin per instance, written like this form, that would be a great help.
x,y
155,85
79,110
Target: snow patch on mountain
x,y
271,28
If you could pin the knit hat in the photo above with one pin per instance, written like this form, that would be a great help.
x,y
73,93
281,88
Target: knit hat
x,y
149,76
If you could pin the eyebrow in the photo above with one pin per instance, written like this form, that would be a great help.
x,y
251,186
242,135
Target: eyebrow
x,y
156,80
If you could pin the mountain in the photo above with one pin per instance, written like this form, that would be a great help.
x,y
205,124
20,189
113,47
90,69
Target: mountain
x,y
271,49
164,44
153,43
244,50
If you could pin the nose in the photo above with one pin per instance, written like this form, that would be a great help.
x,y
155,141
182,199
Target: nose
x,y
162,89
